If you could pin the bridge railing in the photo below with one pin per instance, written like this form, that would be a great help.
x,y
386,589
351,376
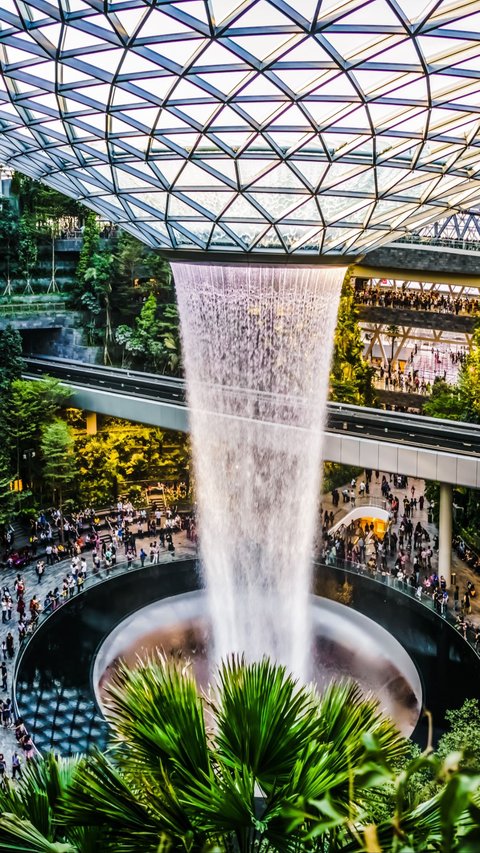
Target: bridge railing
x,y
441,242
367,500
16,309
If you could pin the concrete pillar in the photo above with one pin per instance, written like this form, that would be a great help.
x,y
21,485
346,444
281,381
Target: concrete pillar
x,y
445,532
91,423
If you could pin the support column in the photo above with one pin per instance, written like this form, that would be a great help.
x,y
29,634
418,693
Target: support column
x,y
91,423
445,532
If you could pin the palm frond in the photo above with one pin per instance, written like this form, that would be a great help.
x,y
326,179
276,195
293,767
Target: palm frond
x,y
134,812
36,794
346,717
155,710
264,719
21,836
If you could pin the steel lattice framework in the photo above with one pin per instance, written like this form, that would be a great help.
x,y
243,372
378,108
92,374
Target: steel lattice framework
x,y
314,126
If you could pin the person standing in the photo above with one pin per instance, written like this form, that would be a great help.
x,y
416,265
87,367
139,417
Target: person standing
x,y
10,645
3,668
7,713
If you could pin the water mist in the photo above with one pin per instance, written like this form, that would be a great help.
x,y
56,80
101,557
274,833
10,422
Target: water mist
x,y
257,343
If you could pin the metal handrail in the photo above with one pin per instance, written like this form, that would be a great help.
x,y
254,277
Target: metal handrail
x,y
38,307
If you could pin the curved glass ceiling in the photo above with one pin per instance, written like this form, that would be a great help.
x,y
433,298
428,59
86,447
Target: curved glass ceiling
x,y
262,125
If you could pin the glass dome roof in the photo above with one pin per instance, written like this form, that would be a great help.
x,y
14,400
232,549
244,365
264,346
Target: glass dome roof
x,y
308,126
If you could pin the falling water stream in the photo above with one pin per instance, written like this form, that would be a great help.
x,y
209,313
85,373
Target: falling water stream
x,y
257,343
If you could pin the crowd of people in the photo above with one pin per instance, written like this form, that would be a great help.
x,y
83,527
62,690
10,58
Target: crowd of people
x,y
416,300
94,543
404,552
25,745
418,373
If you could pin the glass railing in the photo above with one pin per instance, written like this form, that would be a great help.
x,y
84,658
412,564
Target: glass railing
x,y
459,622
465,628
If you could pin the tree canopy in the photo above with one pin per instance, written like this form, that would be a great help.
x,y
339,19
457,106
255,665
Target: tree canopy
x,y
350,375
11,361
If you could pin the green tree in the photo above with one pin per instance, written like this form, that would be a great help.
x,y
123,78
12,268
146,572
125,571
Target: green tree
x,y
469,381
43,201
11,361
90,247
25,410
460,401
7,495
169,783
279,769
96,297
160,278
59,465
463,736
130,273
393,332
27,247
350,375
445,401
8,235
122,455
143,340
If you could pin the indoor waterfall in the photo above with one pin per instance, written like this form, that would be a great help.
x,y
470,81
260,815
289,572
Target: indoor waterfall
x,y
257,343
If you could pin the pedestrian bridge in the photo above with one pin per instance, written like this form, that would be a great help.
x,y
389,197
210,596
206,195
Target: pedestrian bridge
x,y
413,445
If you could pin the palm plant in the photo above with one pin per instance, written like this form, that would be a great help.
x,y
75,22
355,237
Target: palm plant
x,y
29,820
257,764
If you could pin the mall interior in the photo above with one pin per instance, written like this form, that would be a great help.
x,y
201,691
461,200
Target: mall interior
x,y
240,419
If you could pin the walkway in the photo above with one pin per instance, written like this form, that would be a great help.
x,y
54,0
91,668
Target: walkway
x,y
463,572
53,577
184,548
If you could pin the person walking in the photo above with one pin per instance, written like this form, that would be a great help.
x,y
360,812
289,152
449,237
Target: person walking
x,y
4,675
16,766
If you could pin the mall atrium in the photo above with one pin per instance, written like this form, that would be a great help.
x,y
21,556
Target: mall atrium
x,y
240,411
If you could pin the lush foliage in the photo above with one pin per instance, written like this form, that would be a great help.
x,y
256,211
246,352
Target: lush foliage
x,y
27,408
37,446
259,764
350,376
59,464
153,340
335,475
461,401
444,402
11,361
27,246
469,381
122,456
463,736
